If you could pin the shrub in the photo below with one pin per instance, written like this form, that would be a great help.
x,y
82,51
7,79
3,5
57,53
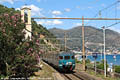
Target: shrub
x,y
117,69
101,65
18,55
87,61
89,66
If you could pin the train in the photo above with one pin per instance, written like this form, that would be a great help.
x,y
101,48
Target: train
x,y
63,61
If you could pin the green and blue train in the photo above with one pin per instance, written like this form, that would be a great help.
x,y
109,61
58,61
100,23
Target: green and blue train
x,y
64,61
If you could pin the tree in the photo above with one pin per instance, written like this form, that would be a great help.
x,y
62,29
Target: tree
x,y
18,55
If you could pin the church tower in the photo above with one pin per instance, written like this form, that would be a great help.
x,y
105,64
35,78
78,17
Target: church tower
x,y
28,27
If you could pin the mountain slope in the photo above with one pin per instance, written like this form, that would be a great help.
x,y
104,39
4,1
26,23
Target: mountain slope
x,y
92,35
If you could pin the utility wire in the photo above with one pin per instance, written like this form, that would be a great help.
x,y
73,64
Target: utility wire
x,y
115,16
99,13
115,13
110,6
113,24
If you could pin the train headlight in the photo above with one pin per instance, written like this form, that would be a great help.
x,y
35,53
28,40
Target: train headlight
x,y
69,63
73,64
60,65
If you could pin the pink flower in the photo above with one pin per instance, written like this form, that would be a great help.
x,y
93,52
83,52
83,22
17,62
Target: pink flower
x,y
37,57
37,41
13,17
6,15
33,52
39,52
17,14
31,49
1,23
22,57
15,25
28,51
37,44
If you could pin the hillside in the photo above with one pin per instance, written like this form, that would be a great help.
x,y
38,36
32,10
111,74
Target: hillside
x,y
92,35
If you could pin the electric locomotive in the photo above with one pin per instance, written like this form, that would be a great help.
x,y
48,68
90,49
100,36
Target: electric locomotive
x,y
64,61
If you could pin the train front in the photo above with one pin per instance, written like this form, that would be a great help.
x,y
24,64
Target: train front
x,y
66,61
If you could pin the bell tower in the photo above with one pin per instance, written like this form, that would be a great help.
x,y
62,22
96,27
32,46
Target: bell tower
x,y
28,27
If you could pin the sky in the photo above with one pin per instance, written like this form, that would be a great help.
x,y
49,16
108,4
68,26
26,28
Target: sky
x,y
68,9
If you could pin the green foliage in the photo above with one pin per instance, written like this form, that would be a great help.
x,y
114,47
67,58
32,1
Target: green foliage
x,y
101,65
77,61
89,65
87,61
39,29
18,56
23,66
117,69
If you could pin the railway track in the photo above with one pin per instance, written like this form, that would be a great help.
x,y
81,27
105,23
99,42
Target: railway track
x,y
77,76
72,76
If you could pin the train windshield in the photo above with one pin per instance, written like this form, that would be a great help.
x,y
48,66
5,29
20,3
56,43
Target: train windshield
x,y
67,57
60,57
73,57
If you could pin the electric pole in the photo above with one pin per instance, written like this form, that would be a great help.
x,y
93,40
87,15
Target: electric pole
x,y
83,44
105,73
65,41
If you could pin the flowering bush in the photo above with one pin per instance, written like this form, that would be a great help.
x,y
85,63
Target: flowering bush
x,y
19,55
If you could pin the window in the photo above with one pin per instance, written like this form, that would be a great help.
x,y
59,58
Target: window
x,y
67,57
73,57
60,57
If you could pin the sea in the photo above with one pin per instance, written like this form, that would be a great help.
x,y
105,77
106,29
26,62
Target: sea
x,y
111,59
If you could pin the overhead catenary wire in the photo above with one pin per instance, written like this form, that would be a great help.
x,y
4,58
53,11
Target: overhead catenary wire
x,y
110,6
100,11
112,24
116,6
78,18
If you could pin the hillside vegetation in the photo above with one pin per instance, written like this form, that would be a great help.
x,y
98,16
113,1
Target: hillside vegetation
x,y
92,35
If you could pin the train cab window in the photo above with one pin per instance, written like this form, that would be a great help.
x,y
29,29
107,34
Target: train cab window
x,y
67,57
73,57
60,57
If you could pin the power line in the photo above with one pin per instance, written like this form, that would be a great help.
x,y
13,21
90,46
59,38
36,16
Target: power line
x,y
78,18
115,15
113,24
99,13
106,9
110,6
